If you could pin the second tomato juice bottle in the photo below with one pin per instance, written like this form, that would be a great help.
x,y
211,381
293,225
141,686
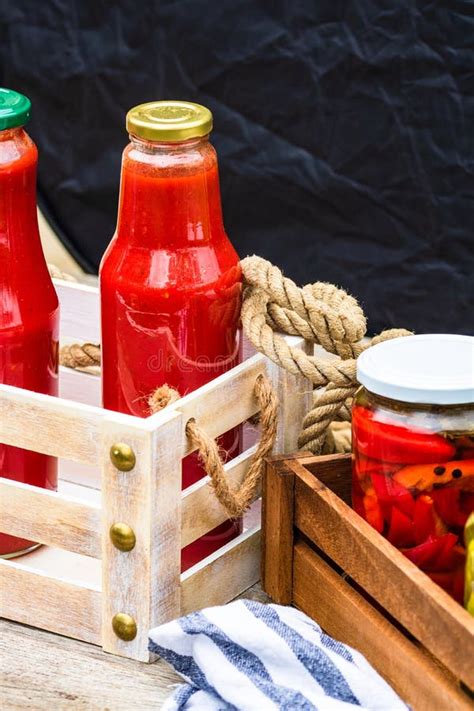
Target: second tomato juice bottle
x,y
170,279
29,307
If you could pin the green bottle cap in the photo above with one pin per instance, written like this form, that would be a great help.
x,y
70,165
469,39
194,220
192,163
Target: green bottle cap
x,y
14,109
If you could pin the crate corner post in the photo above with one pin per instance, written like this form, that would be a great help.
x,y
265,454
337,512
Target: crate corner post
x,y
140,586
295,397
277,532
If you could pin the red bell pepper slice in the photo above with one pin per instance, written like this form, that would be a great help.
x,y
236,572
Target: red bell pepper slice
x,y
391,493
427,554
366,467
373,513
394,443
402,529
447,502
450,557
426,520
369,508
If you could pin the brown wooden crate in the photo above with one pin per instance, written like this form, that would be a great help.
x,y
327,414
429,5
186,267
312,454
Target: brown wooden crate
x,y
400,590
345,614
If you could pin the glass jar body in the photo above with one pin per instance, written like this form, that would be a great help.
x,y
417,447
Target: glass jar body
x,y
29,309
170,290
413,479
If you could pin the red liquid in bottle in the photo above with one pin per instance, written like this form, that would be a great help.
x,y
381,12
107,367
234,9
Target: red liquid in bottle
x,y
171,291
29,310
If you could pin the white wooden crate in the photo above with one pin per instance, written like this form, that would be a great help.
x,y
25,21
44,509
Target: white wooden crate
x,y
77,581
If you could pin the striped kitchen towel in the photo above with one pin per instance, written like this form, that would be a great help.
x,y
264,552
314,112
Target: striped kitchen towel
x,y
253,657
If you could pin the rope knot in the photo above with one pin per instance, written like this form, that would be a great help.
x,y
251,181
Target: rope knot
x,y
322,314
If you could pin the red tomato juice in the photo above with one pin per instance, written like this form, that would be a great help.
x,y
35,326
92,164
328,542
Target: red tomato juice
x,y
29,310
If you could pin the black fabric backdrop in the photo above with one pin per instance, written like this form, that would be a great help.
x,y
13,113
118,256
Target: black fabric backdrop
x,y
345,131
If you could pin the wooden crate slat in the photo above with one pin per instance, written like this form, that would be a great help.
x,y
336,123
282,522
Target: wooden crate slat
x,y
385,573
51,518
52,425
80,474
223,575
344,614
201,511
61,606
295,398
49,425
80,387
80,311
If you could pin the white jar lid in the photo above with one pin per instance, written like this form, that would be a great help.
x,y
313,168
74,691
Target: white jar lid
x,y
435,369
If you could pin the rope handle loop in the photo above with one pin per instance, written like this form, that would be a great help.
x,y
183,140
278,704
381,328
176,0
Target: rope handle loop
x,y
235,500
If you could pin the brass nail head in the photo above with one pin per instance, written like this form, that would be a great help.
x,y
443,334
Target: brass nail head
x,y
122,536
124,626
122,457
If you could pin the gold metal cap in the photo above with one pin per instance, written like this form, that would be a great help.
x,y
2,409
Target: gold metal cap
x,y
172,121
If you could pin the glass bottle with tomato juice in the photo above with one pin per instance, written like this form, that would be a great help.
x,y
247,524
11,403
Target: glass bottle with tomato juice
x,y
29,308
170,279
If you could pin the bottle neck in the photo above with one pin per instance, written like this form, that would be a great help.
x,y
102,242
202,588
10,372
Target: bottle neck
x,y
18,166
169,194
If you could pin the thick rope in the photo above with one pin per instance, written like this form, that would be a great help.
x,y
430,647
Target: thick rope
x,y
85,356
235,500
322,314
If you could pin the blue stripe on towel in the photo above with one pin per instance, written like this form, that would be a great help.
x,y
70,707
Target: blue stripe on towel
x,y
336,647
315,660
247,663
183,694
185,665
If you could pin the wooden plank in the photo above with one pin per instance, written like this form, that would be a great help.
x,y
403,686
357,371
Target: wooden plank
x,y
51,518
295,397
80,387
335,471
143,582
46,672
61,606
346,615
49,425
52,425
223,575
201,511
80,311
422,607
80,474
277,531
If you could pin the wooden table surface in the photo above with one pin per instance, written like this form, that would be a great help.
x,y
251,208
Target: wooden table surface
x,y
41,671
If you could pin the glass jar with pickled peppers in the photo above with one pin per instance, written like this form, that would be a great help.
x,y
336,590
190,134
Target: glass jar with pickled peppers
x,y
413,449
